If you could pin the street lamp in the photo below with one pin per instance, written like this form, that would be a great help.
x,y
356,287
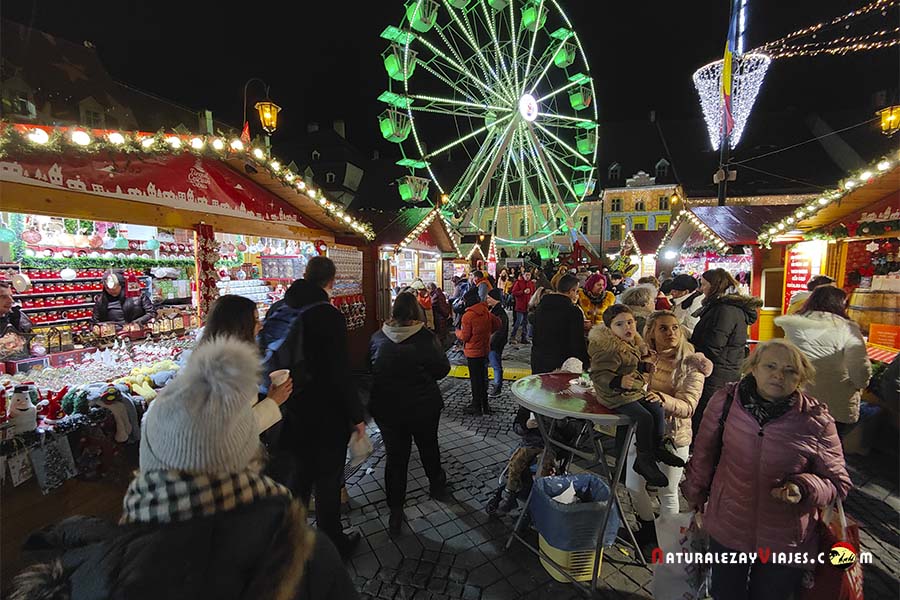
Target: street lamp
x,y
890,119
268,110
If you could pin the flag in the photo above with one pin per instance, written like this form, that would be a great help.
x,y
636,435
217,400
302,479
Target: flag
x,y
727,82
245,133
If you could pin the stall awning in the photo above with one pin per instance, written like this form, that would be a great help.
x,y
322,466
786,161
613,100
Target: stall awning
x,y
206,175
422,224
722,226
643,242
873,185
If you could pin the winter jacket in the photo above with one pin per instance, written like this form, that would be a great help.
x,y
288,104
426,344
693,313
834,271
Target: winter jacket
x,y
679,404
264,550
797,301
138,309
800,447
501,336
16,319
721,335
322,412
685,307
838,352
522,291
531,438
427,310
484,286
662,303
407,363
554,281
558,334
477,326
593,310
611,359
441,309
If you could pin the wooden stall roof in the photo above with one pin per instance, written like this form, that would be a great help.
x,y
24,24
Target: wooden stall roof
x,y
407,220
856,200
740,225
645,241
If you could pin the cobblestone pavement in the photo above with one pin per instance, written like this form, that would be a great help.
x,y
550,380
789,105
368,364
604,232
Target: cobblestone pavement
x,y
455,550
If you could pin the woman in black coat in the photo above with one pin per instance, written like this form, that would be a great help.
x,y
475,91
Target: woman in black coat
x,y
558,328
721,332
407,362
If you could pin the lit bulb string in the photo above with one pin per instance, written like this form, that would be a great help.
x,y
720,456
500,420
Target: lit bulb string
x,y
809,210
873,6
712,237
27,138
839,51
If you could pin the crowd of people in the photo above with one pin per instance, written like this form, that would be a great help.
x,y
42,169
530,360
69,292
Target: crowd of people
x,y
261,416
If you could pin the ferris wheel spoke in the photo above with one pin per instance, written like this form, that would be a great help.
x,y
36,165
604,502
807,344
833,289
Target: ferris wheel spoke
x,y
564,118
547,161
439,101
455,51
483,158
513,35
531,49
491,24
558,90
546,61
461,69
459,87
466,137
562,143
470,38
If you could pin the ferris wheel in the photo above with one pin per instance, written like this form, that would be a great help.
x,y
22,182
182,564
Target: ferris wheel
x,y
492,103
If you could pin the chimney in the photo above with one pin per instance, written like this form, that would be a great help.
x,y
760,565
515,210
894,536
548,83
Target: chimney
x,y
341,128
312,127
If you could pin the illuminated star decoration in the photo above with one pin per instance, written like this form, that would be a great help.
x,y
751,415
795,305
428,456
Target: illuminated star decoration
x,y
871,247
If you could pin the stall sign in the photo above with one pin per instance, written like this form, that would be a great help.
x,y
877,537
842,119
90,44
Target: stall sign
x,y
802,262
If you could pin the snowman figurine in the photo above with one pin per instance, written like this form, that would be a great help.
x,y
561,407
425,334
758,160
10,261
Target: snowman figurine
x,y
20,411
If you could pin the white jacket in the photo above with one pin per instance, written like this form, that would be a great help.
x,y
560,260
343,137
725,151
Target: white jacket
x,y
838,352
685,313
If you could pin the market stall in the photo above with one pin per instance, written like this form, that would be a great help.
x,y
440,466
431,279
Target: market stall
x,y
412,246
641,247
183,219
709,237
852,234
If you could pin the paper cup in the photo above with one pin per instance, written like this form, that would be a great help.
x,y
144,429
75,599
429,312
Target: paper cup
x,y
280,376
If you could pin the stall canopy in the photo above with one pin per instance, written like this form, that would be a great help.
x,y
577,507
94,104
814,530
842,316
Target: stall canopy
x,y
163,179
642,242
721,226
418,227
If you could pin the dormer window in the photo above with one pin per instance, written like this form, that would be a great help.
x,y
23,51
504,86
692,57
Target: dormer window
x,y
662,168
329,177
316,155
615,171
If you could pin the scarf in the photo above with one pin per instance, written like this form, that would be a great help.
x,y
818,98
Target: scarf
x,y
595,299
424,301
173,496
763,410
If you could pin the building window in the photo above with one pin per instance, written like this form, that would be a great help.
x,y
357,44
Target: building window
x,y
662,223
329,177
92,119
640,206
662,168
521,227
615,205
316,155
585,224
640,226
663,203
615,171
490,226
616,231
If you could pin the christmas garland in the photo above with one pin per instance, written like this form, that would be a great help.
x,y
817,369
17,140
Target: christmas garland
x,y
843,230
105,263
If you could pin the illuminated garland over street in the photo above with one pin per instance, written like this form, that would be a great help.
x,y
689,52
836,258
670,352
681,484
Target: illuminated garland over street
x,y
810,209
18,140
714,240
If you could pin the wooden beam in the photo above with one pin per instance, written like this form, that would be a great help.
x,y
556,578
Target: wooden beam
x,y
30,199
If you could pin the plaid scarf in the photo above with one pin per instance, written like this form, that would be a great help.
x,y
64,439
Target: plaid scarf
x,y
763,410
173,496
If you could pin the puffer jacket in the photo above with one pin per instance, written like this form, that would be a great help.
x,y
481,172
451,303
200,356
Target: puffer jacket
x,y
800,447
685,307
477,326
680,403
523,291
838,352
721,335
264,550
593,311
611,359
406,363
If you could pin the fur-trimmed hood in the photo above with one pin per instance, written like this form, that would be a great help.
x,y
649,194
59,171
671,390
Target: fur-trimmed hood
x,y
699,363
283,559
749,304
603,339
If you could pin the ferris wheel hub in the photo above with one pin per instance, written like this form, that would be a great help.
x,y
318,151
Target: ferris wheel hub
x,y
528,107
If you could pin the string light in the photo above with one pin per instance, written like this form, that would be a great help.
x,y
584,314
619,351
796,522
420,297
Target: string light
x,y
115,141
686,215
814,206
749,71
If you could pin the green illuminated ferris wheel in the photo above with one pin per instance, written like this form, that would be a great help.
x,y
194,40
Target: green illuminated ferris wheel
x,y
503,88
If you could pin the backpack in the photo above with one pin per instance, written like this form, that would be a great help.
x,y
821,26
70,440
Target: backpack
x,y
279,325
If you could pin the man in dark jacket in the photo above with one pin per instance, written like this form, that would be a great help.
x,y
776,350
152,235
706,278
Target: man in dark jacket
x,y
498,340
10,315
117,306
558,328
325,407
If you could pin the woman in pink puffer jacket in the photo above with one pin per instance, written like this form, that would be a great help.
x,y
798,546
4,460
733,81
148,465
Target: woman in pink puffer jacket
x,y
780,461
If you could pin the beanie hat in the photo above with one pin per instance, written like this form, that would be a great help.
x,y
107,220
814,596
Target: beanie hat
x,y
203,421
417,285
471,298
496,294
684,282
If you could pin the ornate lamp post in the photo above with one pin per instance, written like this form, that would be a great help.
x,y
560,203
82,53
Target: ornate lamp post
x,y
268,111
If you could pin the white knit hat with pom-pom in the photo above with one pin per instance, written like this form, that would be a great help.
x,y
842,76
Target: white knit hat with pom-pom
x,y
203,421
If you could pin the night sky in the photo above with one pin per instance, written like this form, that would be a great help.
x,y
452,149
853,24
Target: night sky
x,y
322,59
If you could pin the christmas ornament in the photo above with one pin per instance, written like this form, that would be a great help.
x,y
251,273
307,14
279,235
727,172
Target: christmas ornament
x,y
871,247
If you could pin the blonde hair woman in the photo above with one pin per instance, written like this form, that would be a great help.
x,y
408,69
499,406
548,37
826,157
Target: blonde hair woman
x,y
678,382
761,474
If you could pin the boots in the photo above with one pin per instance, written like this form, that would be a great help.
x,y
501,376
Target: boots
x,y
507,503
438,489
486,409
665,453
395,521
472,410
645,466
495,391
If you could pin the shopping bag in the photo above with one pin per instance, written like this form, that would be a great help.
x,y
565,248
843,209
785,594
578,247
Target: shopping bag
x,y
829,581
679,581
360,448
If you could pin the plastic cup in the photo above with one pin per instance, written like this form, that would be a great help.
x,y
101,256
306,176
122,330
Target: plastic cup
x,y
280,376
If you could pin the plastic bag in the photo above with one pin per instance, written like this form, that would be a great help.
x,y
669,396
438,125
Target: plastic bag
x,y
360,448
680,533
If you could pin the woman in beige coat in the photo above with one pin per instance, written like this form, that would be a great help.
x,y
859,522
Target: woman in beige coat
x,y
678,381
